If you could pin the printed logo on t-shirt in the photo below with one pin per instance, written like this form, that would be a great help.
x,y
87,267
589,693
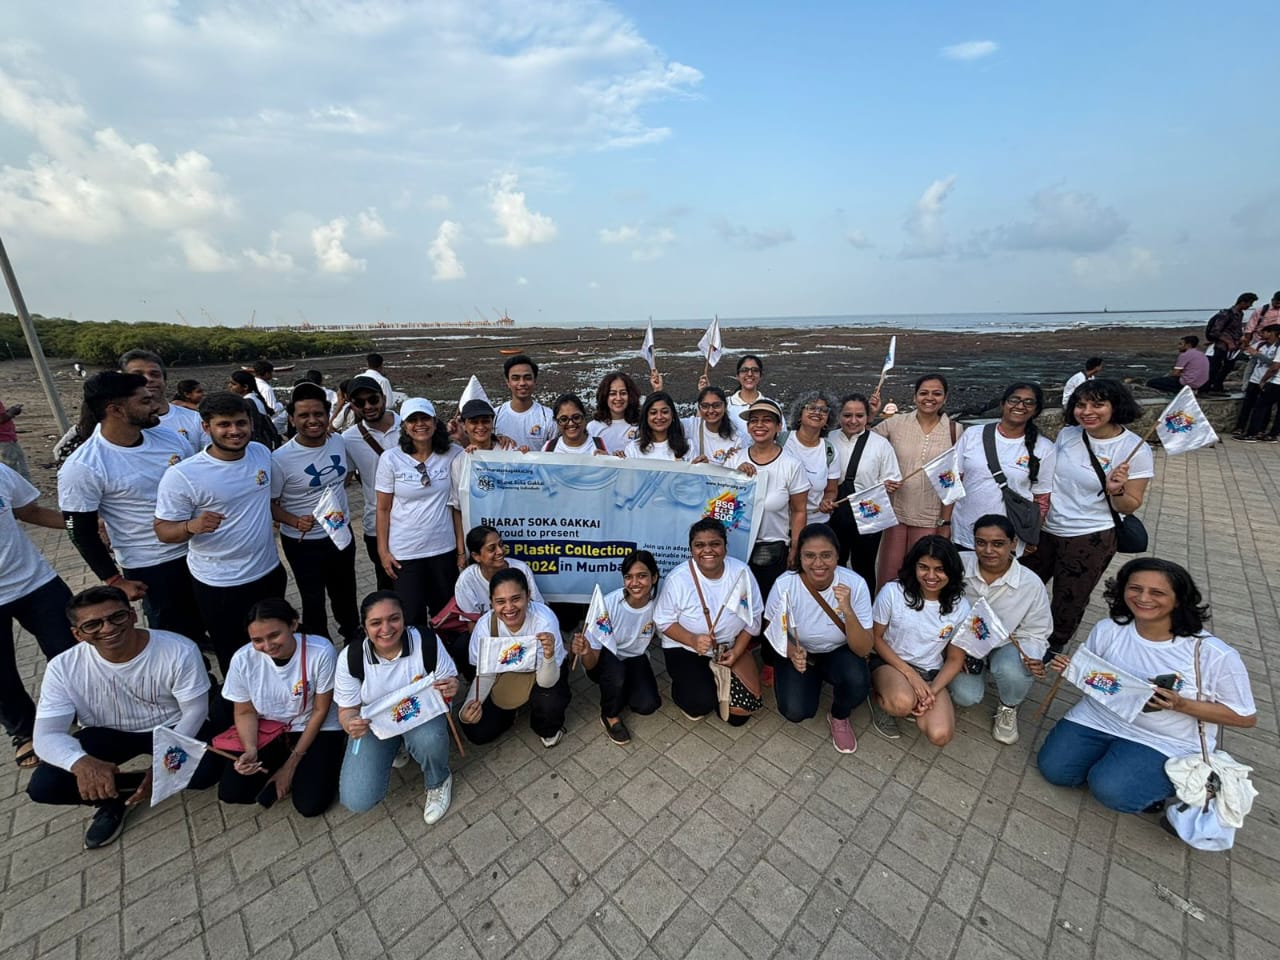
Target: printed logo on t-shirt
x,y
535,430
261,478
182,432
174,459
318,474
1023,461
297,690
2,503
1104,462
633,433
948,629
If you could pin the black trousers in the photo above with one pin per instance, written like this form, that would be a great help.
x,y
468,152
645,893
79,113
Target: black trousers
x,y
1165,384
625,682
858,550
425,586
320,569
767,575
43,612
693,688
170,601
1267,401
1220,365
50,784
315,781
547,707
371,548
224,610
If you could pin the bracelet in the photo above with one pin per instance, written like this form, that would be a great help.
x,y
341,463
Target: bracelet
x,y
186,526
295,753
114,579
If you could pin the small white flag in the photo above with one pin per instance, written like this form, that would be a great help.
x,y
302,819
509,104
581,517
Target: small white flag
x,y
646,348
1183,426
473,392
508,655
944,476
331,512
1118,691
598,627
743,597
402,710
710,343
872,510
981,631
890,356
779,629
174,759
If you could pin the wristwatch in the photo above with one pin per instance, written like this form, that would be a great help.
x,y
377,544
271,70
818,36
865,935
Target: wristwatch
x,y
943,523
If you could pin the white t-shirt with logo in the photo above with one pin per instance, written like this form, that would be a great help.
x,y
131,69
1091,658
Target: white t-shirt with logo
x,y
810,623
918,636
22,567
679,603
242,549
707,443
186,424
530,429
658,450
121,485
472,589
300,476
364,458
1078,506
275,691
538,618
588,449
1223,679
981,492
616,434
421,524
383,676
633,629
776,482
816,462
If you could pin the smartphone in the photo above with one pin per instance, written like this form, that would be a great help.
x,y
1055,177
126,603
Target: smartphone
x,y
1165,681
268,796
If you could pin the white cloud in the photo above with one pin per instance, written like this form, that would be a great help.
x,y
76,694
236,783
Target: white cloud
x,y
970,50
274,260
444,259
623,234
438,202
370,225
201,254
647,243
521,227
1113,269
592,285
858,240
522,281
752,239
1063,220
926,235
331,256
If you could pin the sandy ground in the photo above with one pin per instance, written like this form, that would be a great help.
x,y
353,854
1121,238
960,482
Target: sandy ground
x,y
833,359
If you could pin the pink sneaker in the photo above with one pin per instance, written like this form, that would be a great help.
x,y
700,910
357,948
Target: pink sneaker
x,y
766,676
842,735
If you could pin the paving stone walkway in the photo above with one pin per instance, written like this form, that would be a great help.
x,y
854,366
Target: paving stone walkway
x,y
701,840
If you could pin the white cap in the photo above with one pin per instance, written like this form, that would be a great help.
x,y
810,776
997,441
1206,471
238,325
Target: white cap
x,y
417,405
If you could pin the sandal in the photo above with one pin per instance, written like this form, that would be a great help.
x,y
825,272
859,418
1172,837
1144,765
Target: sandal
x,y
24,753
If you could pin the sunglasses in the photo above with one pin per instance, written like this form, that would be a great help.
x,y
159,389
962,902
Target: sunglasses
x,y
367,401
422,474
117,619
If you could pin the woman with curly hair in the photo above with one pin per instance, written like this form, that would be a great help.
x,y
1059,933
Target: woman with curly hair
x,y
616,420
812,417
661,436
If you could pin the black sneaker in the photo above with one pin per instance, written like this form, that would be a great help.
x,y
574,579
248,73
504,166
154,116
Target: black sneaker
x,y
1252,439
617,731
107,824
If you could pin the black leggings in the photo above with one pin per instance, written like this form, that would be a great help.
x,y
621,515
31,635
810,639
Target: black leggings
x,y
315,781
626,682
547,707
426,586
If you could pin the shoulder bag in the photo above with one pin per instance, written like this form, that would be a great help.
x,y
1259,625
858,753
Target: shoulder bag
x,y
268,730
1024,514
1131,535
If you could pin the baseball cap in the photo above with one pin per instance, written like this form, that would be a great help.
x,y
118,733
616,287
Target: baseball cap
x,y
417,405
363,383
475,408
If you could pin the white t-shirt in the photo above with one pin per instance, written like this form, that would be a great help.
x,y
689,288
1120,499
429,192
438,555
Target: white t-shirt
x,y
530,429
1069,387
816,462
1223,679
121,484
242,549
588,449
658,450
277,413
258,405
1262,363
737,406
382,676
616,434
421,524
472,589
811,625
918,636
538,618
776,481
300,476
707,443
186,424
633,629
1078,506
363,458
981,492
877,464
275,691
678,603
22,567
134,697
1018,598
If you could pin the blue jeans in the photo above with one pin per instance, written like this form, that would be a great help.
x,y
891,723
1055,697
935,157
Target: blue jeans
x,y
366,774
798,693
1013,679
1122,774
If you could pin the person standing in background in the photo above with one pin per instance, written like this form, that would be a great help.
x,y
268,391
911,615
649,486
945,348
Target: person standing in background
x,y
1225,331
374,373
184,422
376,430
1092,367
11,454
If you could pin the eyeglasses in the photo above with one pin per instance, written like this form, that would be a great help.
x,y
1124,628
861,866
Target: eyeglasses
x,y
367,401
117,619
755,370
816,408
572,418
422,474
710,407
1021,401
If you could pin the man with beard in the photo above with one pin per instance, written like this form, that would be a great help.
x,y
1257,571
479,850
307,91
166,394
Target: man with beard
x,y
304,469
376,429
185,423
114,476
219,504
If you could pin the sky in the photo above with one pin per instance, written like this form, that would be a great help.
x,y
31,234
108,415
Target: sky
x,y
585,162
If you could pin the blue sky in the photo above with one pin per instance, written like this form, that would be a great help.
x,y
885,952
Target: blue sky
x,y
585,162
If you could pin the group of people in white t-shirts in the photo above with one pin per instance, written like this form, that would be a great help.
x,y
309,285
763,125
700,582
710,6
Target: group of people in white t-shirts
x,y
189,504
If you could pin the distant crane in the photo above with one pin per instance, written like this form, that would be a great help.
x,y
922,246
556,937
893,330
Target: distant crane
x,y
185,321
209,316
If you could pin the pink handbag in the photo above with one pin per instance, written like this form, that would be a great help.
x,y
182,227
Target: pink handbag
x,y
268,730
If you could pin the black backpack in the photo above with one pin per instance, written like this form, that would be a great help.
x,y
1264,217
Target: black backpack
x,y
426,637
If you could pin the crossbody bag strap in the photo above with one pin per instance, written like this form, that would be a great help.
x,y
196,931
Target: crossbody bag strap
x,y
952,424
368,438
706,611
1102,477
855,459
1204,746
826,607
993,457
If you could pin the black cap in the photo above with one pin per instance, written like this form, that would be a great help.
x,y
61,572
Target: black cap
x,y
363,383
476,408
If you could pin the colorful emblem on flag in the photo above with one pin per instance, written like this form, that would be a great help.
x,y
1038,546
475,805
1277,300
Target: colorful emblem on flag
x,y
512,654
868,509
947,478
1179,422
406,709
1103,681
174,758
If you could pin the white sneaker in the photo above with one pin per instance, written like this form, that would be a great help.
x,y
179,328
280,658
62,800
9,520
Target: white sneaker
x,y
552,740
402,757
1005,727
438,801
